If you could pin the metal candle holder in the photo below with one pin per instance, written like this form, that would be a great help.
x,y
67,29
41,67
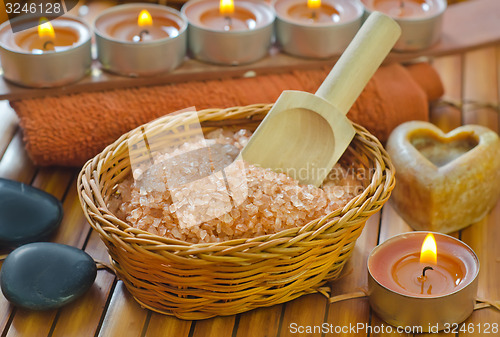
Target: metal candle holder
x,y
51,68
317,40
229,47
400,309
145,58
417,33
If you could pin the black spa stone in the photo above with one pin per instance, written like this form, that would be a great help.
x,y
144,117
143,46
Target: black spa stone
x,y
27,214
46,275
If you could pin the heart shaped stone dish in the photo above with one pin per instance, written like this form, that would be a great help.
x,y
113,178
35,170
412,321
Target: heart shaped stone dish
x,y
444,182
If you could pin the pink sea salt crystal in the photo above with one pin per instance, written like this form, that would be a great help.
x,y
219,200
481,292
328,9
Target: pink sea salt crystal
x,y
203,234
137,173
296,201
156,222
251,209
135,213
206,196
267,213
172,208
338,192
175,232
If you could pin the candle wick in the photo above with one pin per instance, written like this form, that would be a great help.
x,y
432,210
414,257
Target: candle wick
x,y
47,44
401,4
425,269
143,34
229,23
314,15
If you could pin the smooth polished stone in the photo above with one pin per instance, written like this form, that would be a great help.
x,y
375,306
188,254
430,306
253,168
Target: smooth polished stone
x,y
27,214
46,275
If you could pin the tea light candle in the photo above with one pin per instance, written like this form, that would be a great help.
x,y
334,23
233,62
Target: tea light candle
x,y
420,20
227,18
53,53
140,39
423,279
227,32
316,28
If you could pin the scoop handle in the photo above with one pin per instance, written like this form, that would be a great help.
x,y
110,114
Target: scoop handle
x,y
360,60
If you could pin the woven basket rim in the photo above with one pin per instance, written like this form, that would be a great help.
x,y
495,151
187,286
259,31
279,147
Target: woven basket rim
x,y
145,236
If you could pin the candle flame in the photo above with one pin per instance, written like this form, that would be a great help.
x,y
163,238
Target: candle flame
x,y
144,19
226,7
45,29
428,253
313,4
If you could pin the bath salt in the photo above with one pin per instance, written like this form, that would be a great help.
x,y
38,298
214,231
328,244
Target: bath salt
x,y
203,192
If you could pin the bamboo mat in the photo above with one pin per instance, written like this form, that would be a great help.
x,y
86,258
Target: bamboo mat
x,y
108,310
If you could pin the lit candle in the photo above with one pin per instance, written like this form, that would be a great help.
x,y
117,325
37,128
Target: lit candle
x,y
140,39
314,11
148,31
227,18
422,274
52,53
420,20
316,28
137,25
46,37
227,32
423,279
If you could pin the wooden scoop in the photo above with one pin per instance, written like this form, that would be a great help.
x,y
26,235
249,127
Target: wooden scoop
x,y
304,135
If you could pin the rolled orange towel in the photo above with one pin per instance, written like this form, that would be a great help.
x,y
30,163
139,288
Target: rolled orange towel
x,y
68,130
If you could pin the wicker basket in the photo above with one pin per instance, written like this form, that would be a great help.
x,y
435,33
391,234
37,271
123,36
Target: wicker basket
x,y
197,281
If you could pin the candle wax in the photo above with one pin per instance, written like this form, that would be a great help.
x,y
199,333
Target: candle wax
x,y
67,34
405,8
395,264
64,39
240,19
325,13
442,279
129,30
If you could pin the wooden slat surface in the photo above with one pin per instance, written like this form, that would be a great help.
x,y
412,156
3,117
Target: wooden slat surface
x,y
132,315
8,126
159,325
251,323
448,117
481,83
25,322
83,317
109,310
354,279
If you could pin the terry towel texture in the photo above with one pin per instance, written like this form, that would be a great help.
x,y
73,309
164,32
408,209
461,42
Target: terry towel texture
x,y
68,130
